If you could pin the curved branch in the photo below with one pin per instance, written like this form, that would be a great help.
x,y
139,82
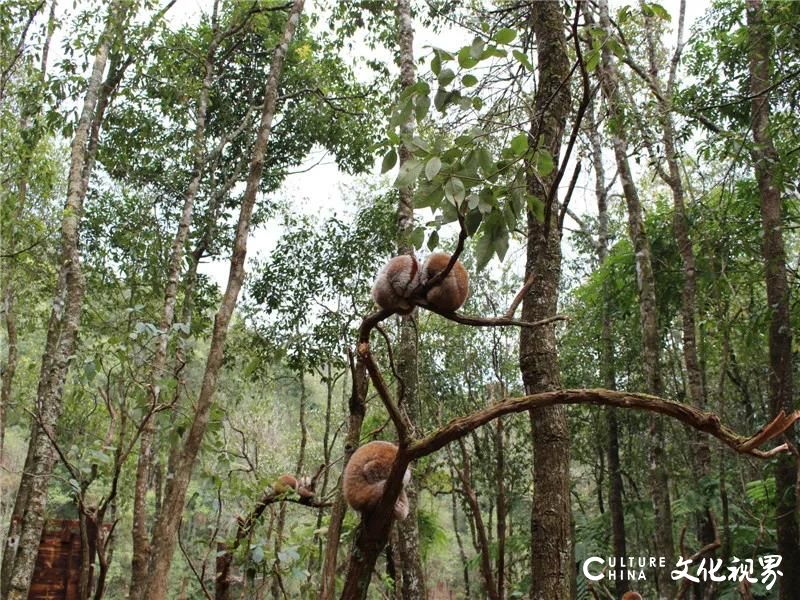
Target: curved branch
x,y
697,419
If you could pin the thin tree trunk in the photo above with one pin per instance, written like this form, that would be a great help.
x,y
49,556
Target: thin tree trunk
x,y
645,283
8,309
680,223
615,485
462,555
766,159
410,563
357,407
298,471
61,336
502,506
551,542
141,548
464,474
165,532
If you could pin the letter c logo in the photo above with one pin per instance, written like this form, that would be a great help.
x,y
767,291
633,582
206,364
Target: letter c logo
x,y
587,574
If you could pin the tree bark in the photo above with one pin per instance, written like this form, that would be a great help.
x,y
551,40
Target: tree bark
x,y
607,367
62,331
765,158
680,225
464,474
412,573
8,307
141,547
357,408
551,542
165,531
645,283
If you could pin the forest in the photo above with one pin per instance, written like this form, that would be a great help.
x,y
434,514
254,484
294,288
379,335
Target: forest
x,y
411,299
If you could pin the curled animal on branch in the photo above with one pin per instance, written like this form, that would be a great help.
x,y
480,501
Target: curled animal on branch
x,y
286,484
396,283
400,283
449,294
365,478
631,596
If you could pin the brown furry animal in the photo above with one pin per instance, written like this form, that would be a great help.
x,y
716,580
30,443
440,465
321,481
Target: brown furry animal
x,y
448,295
286,483
365,477
396,283
631,596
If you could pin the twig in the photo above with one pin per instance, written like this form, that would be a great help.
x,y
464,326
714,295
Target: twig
x,y
512,308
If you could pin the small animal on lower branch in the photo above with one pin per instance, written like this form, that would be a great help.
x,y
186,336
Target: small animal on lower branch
x,y
286,483
365,478
631,596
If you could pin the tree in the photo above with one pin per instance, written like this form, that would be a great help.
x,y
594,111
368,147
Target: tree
x,y
63,327
551,554
765,158
645,281
165,530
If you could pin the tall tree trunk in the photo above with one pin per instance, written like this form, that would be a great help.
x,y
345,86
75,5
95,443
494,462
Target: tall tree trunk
x,y
645,283
551,542
680,224
141,549
357,407
502,505
62,332
607,368
483,544
765,158
411,570
165,531
8,306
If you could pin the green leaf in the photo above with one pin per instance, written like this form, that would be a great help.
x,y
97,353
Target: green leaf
x,y
454,191
416,144
544,162
469,80
433,240
483,251
417,237
465,58
501,244
389,161
592,59
443,97
429,196
436,64
257,555
476,49
446,76
485,160
519,144
409,171
536,206
432,167
522,58
472,221
505,36
660,11
421,106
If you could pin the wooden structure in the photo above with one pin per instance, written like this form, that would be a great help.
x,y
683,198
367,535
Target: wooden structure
x,y
58,565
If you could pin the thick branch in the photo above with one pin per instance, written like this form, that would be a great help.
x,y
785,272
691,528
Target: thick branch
x,y
701,420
